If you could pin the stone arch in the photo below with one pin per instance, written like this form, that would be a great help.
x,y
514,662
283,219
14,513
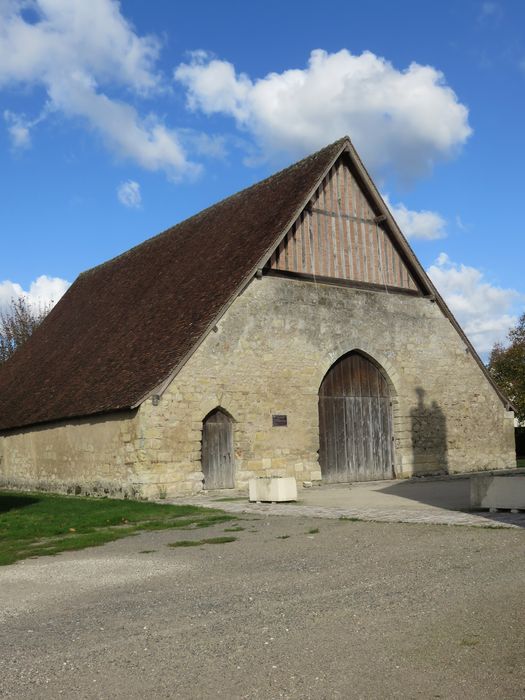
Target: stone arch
x,y
375,355
217,451
356,423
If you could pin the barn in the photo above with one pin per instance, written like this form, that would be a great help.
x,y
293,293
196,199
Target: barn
x,y
286,330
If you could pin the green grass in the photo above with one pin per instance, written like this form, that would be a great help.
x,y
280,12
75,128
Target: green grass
x,y
283,537
34,524
237,528
521,462
313,531
198,543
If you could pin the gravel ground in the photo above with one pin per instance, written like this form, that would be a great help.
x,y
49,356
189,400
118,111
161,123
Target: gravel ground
x,y
357,610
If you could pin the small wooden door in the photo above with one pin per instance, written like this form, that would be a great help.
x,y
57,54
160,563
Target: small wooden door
x,y
355,422
217,451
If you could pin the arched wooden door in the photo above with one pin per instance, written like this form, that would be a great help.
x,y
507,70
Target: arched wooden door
x,y
355,422
217,451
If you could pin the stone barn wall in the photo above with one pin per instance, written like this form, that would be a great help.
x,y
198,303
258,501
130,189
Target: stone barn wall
x,y
268,356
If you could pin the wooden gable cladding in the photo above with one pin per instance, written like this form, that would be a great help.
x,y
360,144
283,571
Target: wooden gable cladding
x,y
338,237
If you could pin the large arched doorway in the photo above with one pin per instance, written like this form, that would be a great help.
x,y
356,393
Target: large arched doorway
x,y
355,422
217,450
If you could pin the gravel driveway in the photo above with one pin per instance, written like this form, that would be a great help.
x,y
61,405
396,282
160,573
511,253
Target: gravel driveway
x,y
357,610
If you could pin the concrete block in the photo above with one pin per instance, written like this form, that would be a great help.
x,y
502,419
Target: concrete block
x,y
273,489
505,491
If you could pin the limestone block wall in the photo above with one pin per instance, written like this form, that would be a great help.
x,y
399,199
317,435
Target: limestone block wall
x,y
92,456
268,356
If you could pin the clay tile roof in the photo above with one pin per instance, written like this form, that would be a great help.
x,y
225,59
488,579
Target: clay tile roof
x,y
124,326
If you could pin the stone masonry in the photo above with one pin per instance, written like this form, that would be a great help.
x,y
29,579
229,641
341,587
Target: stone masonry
x,y
268,355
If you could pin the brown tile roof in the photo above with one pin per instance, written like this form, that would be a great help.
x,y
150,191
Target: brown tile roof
x,y
124,326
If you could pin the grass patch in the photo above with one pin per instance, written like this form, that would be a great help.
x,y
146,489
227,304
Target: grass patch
x,y
38,524
237,528
198,543
283,537
313,531
147,551
350,520
469,642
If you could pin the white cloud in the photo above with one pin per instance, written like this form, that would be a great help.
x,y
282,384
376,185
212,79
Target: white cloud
x,y
485,312
78,51
129,194
400,120
42,292
489,10
423,224
19,129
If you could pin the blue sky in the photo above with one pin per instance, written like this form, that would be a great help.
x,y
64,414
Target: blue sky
x,y
118,120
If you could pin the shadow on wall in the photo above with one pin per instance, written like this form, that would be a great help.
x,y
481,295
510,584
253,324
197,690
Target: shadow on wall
x,y
429,437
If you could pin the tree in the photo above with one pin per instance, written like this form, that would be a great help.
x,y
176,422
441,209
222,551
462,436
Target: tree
x,y
17,322
507,366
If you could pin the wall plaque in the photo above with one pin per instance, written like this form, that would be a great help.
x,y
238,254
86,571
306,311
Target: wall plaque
x,y
279,421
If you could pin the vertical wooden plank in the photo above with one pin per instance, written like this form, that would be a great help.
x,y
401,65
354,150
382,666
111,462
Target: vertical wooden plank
x,y
311,242
323,433
321,233
305,235
217,451
388,262
347,233
356,422
350,439
376,266
339,438
286,252
341,225
331,441
323,429
363,242
359,432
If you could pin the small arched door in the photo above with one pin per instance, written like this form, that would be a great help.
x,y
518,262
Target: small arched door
x,y
217,451
355,422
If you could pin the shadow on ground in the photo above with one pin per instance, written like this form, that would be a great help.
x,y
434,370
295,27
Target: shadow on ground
x,y
15,502
448,494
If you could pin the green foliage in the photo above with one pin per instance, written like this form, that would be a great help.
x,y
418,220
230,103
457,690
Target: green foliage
x,y
17,324
38,524
507,366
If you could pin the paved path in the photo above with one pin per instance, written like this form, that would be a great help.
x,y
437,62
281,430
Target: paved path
x,y
439,502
